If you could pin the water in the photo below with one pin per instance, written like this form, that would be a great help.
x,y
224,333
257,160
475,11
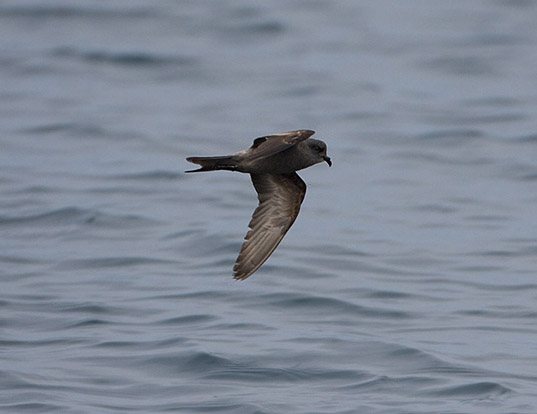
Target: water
x,y
407,285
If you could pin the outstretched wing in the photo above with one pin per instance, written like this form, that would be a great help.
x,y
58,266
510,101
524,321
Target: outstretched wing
x,y
280,197
272,144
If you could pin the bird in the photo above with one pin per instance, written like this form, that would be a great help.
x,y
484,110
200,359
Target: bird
x,y
272,162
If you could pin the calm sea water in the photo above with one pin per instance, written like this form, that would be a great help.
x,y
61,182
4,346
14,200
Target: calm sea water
x,y
407,285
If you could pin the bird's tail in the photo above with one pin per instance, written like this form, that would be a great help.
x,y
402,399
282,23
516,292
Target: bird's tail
x,y
226,162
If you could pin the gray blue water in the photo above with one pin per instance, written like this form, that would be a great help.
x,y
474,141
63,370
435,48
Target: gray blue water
x,y
408,284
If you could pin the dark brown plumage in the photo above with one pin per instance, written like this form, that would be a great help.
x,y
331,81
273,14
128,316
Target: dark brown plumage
x,y
271,162
280,197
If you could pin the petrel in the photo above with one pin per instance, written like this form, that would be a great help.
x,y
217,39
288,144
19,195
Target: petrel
x,y
272,162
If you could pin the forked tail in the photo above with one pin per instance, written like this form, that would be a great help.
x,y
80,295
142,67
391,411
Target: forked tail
x,y
226,162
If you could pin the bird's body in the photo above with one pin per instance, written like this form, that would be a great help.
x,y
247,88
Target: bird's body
x,y
285,162
271,162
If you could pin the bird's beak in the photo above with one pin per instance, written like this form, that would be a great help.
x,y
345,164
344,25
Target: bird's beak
x,y
328,160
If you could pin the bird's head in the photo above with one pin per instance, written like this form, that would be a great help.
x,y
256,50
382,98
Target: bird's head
x,y
318,149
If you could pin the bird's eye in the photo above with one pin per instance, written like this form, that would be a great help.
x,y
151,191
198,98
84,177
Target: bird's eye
x,y
318,148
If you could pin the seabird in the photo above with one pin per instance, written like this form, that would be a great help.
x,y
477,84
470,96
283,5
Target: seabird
x,y
272,162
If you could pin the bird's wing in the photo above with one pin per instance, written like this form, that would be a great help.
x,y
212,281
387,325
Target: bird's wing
x,y
280,197
272,144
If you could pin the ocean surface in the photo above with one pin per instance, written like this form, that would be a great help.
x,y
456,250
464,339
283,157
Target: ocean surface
x,y
408,284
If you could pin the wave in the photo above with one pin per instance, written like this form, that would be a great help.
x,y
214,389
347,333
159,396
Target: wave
x,y
131,58
70,12
74,215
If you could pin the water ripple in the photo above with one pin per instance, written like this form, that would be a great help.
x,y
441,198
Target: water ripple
x,y
74,215
477,390
330,306
135,59
407,285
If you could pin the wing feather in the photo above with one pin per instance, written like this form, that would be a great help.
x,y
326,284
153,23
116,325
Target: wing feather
x,y
272,144
280,197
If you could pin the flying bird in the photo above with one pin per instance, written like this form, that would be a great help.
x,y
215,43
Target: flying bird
x,y
272,162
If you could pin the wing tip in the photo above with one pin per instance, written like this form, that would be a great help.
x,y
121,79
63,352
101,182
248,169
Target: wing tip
x,y
293,137
300,132
240,272
240,276
308,132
